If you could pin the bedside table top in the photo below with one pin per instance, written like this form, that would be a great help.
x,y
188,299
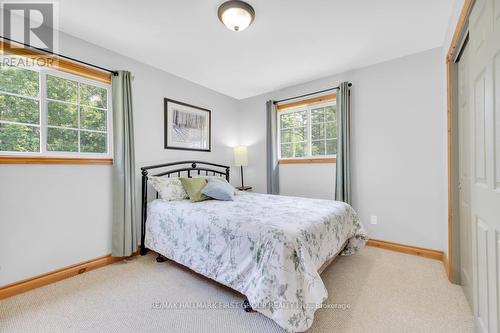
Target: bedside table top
x,y
244,188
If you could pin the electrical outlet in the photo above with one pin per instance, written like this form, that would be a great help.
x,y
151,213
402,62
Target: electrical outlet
x,y
373,219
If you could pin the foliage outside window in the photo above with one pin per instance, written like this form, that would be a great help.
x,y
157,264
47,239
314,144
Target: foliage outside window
x,y
49,113
308,131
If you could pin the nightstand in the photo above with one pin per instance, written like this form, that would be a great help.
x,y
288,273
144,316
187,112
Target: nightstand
x,y
244,188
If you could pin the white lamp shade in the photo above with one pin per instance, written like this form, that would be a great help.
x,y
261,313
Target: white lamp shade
x,y
240,156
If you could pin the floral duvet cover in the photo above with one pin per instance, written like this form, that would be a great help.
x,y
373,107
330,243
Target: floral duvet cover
x,y
267,247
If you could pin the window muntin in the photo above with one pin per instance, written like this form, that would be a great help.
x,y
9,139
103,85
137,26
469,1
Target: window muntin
x,y
309,131
60,115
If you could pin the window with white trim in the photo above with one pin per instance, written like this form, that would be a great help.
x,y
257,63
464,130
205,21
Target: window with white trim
x,y
308,131
45,112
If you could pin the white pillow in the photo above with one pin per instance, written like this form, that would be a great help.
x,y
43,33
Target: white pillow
x,y
169,189
219,189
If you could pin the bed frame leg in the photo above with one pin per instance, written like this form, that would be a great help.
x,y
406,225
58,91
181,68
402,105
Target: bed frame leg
x,y
246,306
161,258
144,207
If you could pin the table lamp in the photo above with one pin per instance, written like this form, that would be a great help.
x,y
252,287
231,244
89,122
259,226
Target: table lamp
x,y
241,160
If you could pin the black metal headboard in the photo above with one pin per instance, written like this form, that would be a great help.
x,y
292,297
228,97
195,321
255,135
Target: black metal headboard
x,y
182,169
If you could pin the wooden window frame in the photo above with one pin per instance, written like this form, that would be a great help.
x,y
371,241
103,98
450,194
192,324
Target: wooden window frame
x,y
52,65
51,61
307,102
297,106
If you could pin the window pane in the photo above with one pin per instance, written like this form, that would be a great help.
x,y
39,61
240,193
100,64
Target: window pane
x,y
59,139
300,118
287,135
331,130
93,96
299,134
331,113
19,109
92,119
300,149
92,142
318,148
18,81
62,89
318,131
287,150
331,147
294,119
62,114
19,138
317,115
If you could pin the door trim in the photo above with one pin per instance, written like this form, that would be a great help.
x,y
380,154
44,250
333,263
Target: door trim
x,y
454,47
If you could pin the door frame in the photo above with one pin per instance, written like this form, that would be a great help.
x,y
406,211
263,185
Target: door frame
x,y
451,259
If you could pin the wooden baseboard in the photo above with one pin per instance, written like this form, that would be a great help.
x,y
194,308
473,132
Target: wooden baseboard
x,y
57,275
414,250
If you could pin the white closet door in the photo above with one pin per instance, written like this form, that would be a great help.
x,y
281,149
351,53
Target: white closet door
x,y
484,71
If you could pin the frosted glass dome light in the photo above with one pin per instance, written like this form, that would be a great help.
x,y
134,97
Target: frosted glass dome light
x,y
236,15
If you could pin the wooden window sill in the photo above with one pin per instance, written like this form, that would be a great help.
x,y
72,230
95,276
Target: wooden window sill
x,y
308,160
53,160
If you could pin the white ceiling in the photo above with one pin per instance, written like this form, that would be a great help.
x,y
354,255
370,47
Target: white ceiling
x,y
290,41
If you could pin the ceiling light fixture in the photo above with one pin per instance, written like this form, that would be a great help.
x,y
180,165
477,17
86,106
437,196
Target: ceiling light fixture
x,y
236,15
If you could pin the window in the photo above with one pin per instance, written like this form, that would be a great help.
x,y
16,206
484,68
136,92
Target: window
x,y
308,131
45,112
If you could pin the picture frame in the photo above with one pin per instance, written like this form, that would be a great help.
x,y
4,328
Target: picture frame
x,y
186,126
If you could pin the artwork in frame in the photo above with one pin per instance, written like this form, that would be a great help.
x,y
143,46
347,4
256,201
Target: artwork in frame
x,y
187,127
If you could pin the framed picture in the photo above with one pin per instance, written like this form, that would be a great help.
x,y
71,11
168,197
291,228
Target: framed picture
x,y
187,127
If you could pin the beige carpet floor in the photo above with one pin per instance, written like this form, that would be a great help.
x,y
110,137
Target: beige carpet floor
x,y
386,292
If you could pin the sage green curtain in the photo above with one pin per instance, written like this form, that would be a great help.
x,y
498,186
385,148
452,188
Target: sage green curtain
x,y
343,175
124,233
273,179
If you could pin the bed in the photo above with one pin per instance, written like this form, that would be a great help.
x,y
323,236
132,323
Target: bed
x,y
269,248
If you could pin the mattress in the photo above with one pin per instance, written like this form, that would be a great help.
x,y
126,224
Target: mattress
x,y
267,247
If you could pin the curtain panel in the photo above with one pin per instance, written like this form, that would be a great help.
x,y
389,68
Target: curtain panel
x,y
273,185
343,174
124,233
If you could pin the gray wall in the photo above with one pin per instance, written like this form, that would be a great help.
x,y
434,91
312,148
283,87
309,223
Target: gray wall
x,y
308,180
54,216
398,153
